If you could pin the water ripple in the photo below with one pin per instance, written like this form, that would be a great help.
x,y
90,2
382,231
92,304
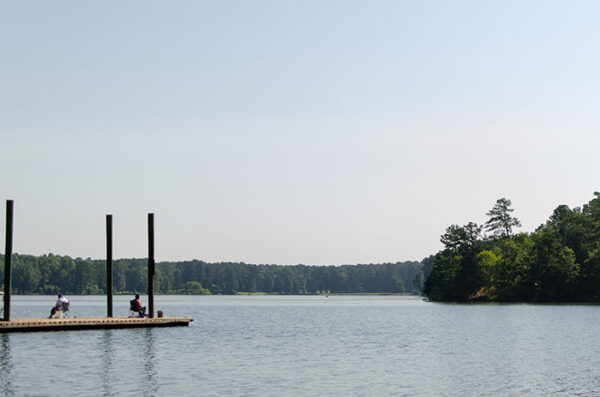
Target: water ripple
x,y
312,346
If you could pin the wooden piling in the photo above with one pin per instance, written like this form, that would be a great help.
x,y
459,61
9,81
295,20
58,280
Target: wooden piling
x,y
151,265
8,258
109,267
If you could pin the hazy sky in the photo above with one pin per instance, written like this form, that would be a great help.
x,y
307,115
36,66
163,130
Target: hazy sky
x,y
316,132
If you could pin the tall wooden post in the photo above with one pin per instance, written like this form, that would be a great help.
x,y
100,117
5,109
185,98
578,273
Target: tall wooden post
x,y
109,267
151,265
8,259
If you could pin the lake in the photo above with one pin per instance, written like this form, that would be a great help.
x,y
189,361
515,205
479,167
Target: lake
x,y
309,346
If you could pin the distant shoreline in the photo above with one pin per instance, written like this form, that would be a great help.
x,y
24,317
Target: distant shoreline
x,y
331,294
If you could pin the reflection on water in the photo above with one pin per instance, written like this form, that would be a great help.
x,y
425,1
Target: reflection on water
x,y
5,367
148,356
291,346
108,360
130,355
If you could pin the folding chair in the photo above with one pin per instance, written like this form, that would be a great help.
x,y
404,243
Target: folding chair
x,y
134,310
65,312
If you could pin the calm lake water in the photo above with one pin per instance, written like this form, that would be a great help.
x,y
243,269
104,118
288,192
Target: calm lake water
x,y
310,346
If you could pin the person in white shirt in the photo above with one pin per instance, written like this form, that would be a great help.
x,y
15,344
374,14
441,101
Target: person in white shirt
x,y
59,305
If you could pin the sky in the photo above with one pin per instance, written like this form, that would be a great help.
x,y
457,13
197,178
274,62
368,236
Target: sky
x,y
316,132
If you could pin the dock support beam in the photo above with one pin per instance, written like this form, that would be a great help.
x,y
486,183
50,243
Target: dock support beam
x,y
109,267
151,265
8,258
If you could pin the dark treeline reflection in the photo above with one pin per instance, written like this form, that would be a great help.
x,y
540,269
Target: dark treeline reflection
x,y
50,274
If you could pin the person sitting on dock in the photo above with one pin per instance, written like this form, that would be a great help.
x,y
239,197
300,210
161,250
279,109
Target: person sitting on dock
x,y
136,306
60,305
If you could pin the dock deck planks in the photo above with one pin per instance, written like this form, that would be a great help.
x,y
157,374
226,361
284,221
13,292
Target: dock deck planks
x,y
83,323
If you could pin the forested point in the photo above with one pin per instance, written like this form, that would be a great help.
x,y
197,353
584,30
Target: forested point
x,y
51,274
558,262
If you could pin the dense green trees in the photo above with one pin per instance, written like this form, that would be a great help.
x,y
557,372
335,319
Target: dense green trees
x,y
50,274
560,261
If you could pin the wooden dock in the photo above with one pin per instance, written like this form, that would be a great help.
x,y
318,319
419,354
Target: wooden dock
x,y
8,324
83,323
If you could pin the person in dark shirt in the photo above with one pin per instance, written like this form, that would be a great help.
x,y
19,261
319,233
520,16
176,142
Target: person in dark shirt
x,y
136,306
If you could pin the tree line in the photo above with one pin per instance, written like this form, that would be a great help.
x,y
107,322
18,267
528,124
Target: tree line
x,y
558,262
51,274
